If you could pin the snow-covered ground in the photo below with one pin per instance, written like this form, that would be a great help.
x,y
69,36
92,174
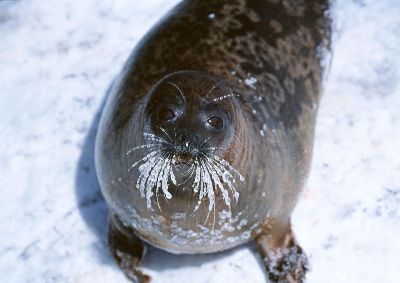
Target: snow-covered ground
x,y
57,59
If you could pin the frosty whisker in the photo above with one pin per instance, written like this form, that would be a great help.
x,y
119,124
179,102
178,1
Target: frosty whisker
x,y
209,174
153,137
212,148
143,146
204,141
165,132
226,163
223,97
192,168
177,87
187,171
161,174
150,155
211,90
228,178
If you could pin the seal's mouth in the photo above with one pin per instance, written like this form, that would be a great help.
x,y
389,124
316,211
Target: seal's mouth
x,y
184,164
185,158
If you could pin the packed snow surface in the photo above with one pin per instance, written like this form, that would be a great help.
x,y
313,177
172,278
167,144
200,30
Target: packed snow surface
x,y
57,59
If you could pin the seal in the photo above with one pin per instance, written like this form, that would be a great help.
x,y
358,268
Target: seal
x,y
206,137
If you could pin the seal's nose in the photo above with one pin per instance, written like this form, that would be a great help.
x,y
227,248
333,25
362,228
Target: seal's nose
x,y
187,143
188,140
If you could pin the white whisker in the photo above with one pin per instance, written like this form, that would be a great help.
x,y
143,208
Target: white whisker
x,y
192,169
177,87
144,159
146,170
165,132
155,138
211,90
203,142
226,163
159,180
143,146
226,176
223,97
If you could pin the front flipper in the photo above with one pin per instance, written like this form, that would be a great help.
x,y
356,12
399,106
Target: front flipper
x,y
127,249
283,258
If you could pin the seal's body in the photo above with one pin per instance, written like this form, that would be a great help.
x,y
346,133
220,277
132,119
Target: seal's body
x,y
206,137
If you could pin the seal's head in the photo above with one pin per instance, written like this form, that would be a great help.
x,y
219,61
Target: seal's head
x,y
185,110
189,132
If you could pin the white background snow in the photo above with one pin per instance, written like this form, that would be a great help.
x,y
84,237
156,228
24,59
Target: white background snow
x,y
57,59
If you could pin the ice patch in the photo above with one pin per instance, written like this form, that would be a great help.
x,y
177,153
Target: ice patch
x,y
250,82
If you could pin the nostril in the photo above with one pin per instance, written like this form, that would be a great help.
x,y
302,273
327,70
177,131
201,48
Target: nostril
x,y
188,140
187,143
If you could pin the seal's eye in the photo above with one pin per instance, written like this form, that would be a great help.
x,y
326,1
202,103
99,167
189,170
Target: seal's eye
x,y
215,122
166,114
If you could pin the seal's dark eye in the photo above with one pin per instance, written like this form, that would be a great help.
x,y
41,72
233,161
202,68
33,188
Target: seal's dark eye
x,y
215,122
166,114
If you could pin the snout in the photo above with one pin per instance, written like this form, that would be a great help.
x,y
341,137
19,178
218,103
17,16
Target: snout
x,y
187,146
186,151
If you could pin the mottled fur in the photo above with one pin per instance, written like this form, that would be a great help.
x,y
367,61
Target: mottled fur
x,y
270,55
